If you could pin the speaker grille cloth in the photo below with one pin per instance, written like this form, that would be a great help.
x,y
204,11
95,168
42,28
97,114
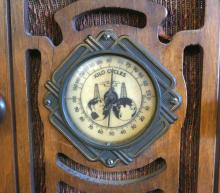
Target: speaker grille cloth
x,y
182,15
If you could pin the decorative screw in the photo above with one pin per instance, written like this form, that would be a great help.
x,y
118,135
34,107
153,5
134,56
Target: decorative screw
x,y
110,162
107,36
174,101
48,102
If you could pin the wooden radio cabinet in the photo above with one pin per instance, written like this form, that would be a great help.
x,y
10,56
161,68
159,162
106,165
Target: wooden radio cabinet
x,y
100,96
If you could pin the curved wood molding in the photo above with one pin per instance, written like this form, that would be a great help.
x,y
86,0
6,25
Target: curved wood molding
x,y
65,188
182,15
170,55
111,178
109,16
39,19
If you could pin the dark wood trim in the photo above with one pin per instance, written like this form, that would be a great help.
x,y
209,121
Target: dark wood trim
x,y
8,174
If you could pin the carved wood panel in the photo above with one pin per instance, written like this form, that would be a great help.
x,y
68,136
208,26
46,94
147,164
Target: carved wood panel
x,y
7,145
174,163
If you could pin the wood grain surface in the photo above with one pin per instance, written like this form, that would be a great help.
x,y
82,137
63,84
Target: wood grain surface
x,y
7,162
190,134
170,55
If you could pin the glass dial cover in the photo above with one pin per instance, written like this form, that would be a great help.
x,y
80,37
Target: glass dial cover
x,y
109,99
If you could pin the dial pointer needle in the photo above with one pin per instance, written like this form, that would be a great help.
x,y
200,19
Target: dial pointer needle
x,y
110,94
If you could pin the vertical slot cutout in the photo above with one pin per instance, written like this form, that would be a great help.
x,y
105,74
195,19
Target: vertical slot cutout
x,y
192,69
33,71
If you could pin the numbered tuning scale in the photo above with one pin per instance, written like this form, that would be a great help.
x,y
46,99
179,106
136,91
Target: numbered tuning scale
x,y
111,99
121,100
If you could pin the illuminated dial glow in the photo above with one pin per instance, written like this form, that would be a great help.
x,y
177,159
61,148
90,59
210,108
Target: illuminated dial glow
x,y
110,99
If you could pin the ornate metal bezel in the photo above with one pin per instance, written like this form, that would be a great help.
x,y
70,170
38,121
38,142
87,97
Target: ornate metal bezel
x,y
168,100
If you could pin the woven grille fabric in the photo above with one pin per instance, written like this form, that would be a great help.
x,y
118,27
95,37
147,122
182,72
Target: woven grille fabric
x,y
182,15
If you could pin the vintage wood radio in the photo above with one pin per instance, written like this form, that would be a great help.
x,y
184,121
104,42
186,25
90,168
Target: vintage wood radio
x,y
109,96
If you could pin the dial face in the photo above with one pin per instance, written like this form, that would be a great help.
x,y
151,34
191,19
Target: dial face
x,y
110,99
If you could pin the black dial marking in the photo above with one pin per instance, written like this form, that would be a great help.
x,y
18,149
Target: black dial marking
x,y
111,100
122,101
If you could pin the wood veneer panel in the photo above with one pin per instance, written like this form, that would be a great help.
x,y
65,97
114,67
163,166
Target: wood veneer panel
x,y
7,161
52,57
182,15
209,102
179,18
